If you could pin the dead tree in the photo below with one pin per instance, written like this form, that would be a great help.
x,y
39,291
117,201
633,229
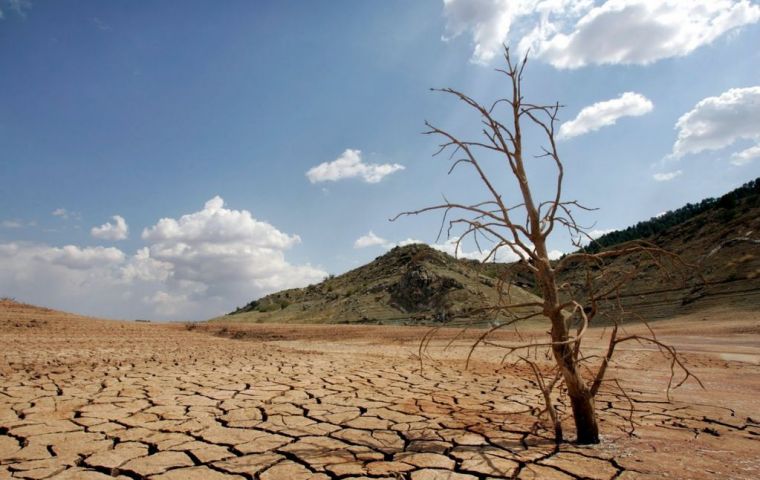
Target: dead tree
x,y
516,221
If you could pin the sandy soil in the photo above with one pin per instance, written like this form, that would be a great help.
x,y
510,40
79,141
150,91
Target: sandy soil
x,y
86,398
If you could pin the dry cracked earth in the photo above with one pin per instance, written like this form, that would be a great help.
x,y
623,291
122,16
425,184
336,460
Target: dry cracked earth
x,y
91,399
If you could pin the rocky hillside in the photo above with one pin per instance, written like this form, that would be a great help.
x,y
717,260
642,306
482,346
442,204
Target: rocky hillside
x,y
718,242
718,238
414,284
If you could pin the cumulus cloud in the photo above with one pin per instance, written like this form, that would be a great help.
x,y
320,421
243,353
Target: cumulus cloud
x,y
745,156
717,122
350,165
602,114
575,33
142,267
666,176
112,231
369,240
221,253
217,225
72,256
196,266
643,31
81,279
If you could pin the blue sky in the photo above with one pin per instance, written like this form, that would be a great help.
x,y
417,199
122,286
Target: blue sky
x,y
152,110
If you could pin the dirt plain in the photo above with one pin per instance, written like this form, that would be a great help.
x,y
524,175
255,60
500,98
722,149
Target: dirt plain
x,y
88,398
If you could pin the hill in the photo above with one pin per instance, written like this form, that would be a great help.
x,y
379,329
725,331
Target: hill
x,y
718,238
16,315
18,318
414,284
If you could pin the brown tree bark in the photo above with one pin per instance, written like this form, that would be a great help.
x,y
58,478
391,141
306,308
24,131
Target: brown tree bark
x,y
581,399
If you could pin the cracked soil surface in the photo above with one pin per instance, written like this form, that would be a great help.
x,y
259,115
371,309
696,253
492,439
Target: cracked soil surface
x,y
86,398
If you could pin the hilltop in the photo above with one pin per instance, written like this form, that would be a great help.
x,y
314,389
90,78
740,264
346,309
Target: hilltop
x,y
412,284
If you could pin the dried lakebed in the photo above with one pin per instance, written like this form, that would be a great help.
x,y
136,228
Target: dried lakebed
x,y
84,398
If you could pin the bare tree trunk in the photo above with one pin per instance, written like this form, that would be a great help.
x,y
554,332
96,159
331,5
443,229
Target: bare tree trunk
x,y
581,399
584,414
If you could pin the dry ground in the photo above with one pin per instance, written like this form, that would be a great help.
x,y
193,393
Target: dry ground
x,y
86,398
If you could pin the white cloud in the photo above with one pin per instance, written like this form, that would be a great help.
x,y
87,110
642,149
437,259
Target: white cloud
x,y
643,31
350,165
66,214
80,279
591,235
112,231
167,304
745,156
504,254
369,240
594,234
85,258
575,33
487,21
142,267
450,247
717,122
215,225
227,253
18,6
602,114
203,264
666,176
11,224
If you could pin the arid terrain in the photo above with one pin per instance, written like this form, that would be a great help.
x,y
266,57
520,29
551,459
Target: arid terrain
x,y
87,398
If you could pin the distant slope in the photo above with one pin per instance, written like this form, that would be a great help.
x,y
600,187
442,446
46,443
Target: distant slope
x,y
720,238
414,284
729,206
18,316
14,314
